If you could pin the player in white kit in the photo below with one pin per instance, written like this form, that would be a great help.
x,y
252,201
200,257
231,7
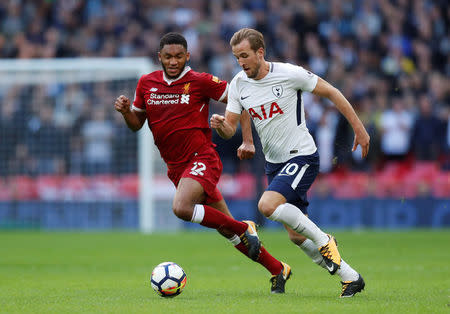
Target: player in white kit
x,y
271,93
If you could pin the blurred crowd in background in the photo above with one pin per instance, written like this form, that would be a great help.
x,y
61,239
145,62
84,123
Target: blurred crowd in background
x,y
390,58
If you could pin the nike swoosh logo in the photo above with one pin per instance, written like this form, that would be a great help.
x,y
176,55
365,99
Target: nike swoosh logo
x,y
330,268
242,98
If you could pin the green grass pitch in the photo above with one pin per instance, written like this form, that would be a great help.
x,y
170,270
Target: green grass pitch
x,y
60,272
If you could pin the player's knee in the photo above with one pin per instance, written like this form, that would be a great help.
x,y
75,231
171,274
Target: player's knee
x,y
266,207
182,211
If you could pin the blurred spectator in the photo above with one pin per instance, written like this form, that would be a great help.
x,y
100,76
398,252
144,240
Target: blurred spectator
x,y
396,125
124,143
222,63
97,135
47,144
235,17
426,132
445,142
325,138
70,100
9,135
76,155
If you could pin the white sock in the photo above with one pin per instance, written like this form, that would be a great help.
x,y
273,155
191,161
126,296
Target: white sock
x,y
293,217
312,251
345,271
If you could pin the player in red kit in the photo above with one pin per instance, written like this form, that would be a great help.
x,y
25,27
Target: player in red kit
x,y
175,103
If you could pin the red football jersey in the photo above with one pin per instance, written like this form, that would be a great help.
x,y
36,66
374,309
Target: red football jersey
x,y
178,111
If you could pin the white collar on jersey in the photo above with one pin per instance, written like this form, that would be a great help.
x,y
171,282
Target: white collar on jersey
x,y
170,81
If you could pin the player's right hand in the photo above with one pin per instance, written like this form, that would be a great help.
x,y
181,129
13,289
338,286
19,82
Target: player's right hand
x,y
362,138
217,121
122,104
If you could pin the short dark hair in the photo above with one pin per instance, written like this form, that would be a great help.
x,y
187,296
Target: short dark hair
x,y
173,39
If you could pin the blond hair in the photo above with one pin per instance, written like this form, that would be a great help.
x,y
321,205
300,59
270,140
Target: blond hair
x,y
255,38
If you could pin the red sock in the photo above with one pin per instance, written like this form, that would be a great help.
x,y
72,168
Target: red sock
x,y
273,265
268,261
215,219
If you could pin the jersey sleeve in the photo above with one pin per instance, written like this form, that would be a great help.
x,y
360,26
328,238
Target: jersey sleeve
x,y
233,104
303,79
138,102
213,87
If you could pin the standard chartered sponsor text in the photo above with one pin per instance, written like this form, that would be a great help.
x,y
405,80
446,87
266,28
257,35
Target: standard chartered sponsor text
x,y
163,99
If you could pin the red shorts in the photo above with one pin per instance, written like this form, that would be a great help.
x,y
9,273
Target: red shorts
x,y
204,167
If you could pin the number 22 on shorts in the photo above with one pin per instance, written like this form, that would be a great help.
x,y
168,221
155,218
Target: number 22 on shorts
x,y
198,169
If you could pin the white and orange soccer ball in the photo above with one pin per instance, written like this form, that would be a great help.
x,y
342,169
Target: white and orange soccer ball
x,y
168,279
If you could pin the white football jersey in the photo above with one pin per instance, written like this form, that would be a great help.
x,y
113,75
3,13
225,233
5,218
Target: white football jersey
x,y
276,108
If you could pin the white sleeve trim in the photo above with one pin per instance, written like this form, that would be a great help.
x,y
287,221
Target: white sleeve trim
x,y
224,93
234,110
314,84
233,104
137,109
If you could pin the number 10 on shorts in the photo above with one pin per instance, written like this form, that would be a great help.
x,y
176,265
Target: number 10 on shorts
x,y
290,169
198,169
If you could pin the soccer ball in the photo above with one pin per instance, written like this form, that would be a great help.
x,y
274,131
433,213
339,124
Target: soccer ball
x,y
168,279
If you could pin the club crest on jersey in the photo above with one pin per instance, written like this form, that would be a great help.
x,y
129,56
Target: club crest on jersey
x,y
186,88
277,90
184,99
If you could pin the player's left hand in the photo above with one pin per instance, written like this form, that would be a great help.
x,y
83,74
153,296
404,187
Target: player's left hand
x,y
246,151
361,138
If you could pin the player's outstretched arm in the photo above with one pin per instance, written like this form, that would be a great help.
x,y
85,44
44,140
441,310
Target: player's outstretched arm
x,y
247,148
325,89
135,120
225,126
